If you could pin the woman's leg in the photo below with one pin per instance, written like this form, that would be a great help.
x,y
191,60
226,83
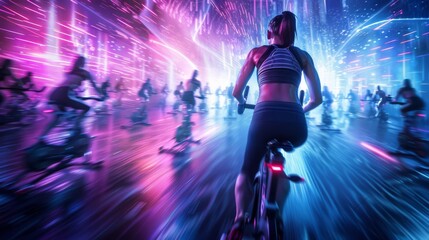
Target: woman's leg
x,y
254,153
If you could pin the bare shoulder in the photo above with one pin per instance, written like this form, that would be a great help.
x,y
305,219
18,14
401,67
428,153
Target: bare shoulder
x,y
305,56
257,52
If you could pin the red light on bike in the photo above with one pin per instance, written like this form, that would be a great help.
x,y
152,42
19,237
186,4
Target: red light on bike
x,y
48,111
275,167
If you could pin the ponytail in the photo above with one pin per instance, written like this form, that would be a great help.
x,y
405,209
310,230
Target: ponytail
x,y
287,29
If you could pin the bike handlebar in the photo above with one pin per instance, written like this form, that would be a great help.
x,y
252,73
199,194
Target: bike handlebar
x,y
100,99
398,103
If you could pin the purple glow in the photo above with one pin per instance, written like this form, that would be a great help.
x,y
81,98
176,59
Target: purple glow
x,y
379,152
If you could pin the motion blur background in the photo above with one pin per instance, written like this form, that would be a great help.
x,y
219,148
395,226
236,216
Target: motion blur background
x,y
353,189
355,44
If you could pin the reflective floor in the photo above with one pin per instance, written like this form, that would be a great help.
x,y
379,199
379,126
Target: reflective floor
x,y
353,188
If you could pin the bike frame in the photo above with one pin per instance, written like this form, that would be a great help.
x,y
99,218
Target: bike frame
x,y
266,215
265,210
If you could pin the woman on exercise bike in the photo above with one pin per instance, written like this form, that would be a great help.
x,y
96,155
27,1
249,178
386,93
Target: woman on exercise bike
x,y
278,113
5,73
64,95
414,102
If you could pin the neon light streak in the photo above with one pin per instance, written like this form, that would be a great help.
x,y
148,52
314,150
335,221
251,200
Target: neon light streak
x,y
384,24
406,34
174,50
407,41
201,23
403,53
391,41
378,152
16,13
52,40
384,59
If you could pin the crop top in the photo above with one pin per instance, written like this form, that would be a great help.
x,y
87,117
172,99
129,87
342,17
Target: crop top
x,y
280,66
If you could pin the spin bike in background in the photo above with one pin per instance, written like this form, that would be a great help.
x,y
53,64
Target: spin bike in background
x,y
369,108
410,138
230,110
28,191
183,137
177,103
202,107
22,112
29,203
327,120
103,109
139,117
42,155
265,218
382,115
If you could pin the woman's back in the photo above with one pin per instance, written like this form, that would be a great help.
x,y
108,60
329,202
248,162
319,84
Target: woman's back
x,y
286,91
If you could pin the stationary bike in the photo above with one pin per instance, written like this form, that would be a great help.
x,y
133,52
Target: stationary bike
x,y
382,114
21,112
230,111
42,155
409,138
30,202
327,121
177,103
203,106
265,217
103,109
139,117
183,136
369,109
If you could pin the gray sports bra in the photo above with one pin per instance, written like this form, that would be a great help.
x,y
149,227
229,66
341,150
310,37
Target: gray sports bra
x,y
281,65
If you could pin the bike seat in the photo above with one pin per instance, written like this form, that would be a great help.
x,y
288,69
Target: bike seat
x,y
286,146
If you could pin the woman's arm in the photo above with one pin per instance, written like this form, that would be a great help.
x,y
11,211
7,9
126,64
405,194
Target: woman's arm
x,y
244,76
313,83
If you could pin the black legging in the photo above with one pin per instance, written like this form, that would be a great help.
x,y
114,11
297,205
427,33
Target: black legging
x,y
61,97
283,121
188,98
414,103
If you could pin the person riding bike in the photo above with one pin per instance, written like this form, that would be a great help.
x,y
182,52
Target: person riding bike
x,y
146,90
178,91
64,95
382,99
5,73
191,86
370,103
278,113
328,98
119,89
414,102
21,84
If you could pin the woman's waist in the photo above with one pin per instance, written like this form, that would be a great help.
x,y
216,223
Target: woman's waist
x,y
278,92
278,106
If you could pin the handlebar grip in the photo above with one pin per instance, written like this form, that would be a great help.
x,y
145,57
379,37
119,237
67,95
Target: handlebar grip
x,y
240,108
301,97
